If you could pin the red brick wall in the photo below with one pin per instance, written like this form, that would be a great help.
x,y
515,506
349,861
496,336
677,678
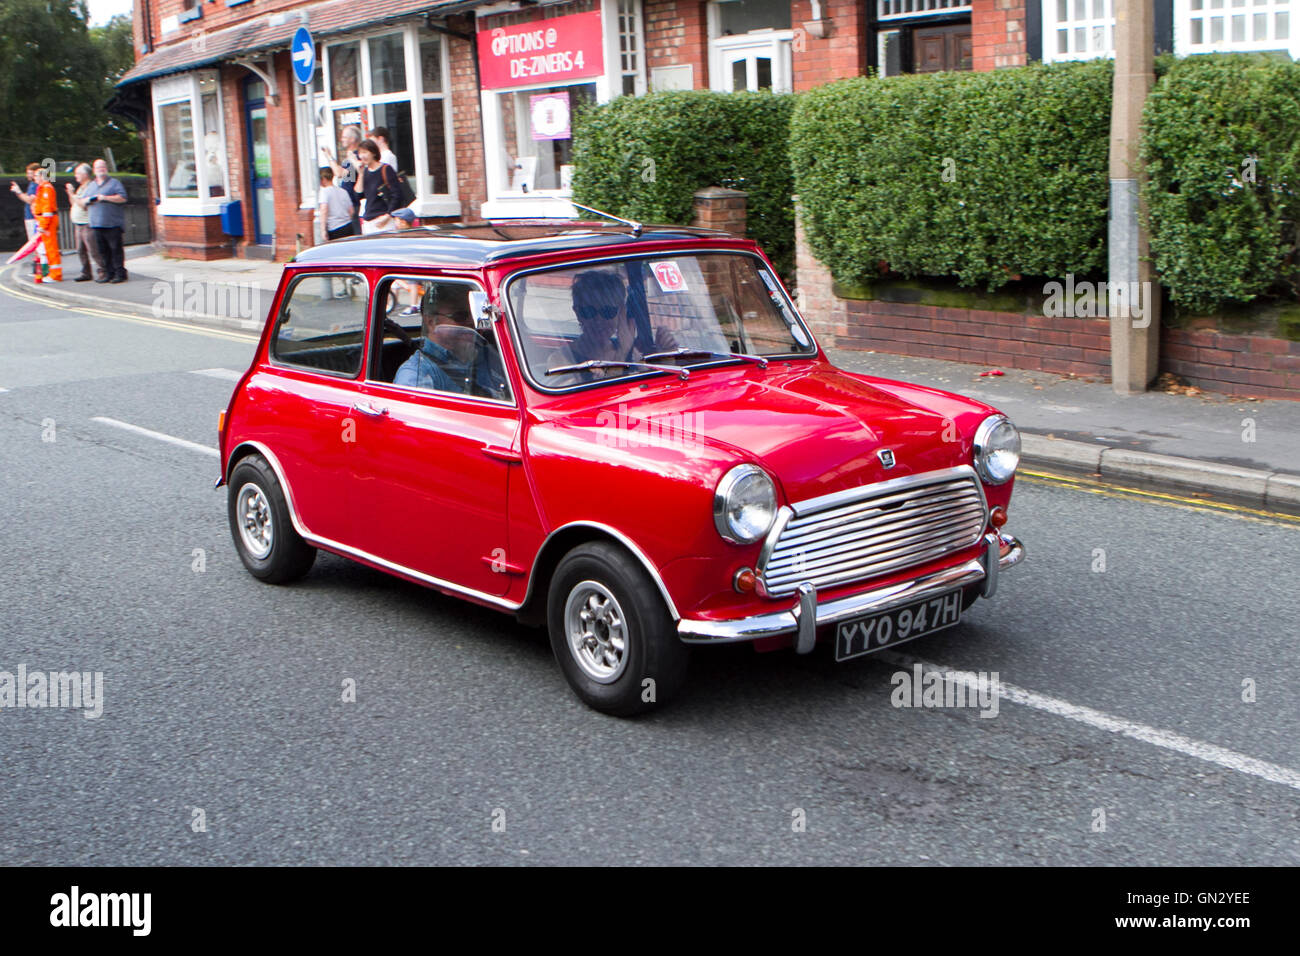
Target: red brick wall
x,y
998,34
215,17
841,53
1006,339
676,33
1236,364
195,237
467,128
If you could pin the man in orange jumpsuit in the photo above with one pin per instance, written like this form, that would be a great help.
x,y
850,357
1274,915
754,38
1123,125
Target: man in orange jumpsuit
x,y
46,210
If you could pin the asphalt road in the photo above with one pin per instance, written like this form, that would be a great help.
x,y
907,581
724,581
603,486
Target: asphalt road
x,y
224,694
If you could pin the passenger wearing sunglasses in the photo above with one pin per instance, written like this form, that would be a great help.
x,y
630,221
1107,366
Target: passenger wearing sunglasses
x,y
607,332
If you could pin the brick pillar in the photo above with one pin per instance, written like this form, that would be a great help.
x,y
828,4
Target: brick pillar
x,y
722,209
814,287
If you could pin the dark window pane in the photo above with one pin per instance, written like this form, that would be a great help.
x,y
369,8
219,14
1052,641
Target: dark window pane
x,y
343,71
387,64
436,135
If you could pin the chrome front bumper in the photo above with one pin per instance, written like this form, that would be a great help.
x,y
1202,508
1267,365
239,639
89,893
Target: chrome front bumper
x,y
1000,551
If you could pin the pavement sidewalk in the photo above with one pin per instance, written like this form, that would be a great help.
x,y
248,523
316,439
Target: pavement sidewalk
x,y
1244,449
222,293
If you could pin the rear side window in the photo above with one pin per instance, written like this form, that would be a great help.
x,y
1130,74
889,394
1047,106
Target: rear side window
x,y
322,323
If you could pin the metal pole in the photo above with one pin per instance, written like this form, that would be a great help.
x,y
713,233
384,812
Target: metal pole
x,y
1133,292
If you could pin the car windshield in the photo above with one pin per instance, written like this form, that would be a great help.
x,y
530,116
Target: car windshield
x,y
630,316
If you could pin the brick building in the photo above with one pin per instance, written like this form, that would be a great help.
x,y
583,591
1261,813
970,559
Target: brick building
x,y
477,96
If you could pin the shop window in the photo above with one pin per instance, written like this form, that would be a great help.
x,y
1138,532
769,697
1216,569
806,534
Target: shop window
x,y
394,80
537,135
190,143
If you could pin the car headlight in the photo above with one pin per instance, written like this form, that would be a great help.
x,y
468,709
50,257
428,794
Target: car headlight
x,y
997,449
744,504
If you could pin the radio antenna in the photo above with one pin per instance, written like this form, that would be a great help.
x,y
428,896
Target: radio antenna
x,y
636,226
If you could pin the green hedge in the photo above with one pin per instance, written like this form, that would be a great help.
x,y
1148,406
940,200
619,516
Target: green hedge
x,y
982,176
644,157
1216,237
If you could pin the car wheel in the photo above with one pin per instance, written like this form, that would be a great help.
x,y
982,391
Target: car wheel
x,y
259,522
611,632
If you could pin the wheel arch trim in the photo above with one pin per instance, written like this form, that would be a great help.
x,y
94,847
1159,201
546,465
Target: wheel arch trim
x,y
618,537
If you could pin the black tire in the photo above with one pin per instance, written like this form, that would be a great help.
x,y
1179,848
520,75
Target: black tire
x,y
289,556
652,651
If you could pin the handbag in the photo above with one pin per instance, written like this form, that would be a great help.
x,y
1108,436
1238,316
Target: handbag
x,y
395,197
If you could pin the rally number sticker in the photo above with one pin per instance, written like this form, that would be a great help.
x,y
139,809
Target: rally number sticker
x,y
669,276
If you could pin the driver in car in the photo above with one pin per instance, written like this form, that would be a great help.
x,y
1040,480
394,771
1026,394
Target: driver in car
x,y
453,357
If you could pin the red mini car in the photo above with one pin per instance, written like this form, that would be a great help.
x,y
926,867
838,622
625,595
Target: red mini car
x,y
626,433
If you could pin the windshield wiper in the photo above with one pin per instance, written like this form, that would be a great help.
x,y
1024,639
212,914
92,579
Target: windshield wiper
x,y
706,353
681,373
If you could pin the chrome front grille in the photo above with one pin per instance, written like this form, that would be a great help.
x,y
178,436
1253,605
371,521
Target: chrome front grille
x,y
866,532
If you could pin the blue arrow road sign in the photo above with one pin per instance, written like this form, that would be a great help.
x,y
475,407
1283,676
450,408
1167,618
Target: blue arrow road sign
x,y
303,53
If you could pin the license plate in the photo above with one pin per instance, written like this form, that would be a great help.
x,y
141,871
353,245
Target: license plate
x,y
866,634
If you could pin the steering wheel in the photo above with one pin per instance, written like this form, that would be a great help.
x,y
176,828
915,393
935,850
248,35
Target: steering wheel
x,y
401,333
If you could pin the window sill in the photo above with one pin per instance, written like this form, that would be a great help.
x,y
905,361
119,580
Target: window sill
x,y
192,207
185,16
521,206
436,206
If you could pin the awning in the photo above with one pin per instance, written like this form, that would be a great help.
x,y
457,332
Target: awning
x,y
273,32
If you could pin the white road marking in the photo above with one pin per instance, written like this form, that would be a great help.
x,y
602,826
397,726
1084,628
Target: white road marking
x,y
1168,740
158,436
228,374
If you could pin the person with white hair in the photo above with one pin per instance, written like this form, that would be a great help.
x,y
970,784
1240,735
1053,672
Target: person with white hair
x,y
87,247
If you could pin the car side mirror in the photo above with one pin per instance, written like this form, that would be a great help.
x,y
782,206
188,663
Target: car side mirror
x,y
481,309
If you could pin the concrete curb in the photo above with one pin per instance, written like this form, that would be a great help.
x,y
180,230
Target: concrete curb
x,y
57,292
1271,489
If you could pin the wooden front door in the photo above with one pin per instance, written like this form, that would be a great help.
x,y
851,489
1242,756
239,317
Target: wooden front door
x,y
942,48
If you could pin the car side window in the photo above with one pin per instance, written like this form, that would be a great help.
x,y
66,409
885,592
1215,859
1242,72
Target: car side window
x,y
322,324
427,339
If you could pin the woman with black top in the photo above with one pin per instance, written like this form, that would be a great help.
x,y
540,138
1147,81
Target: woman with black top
x,y
378,190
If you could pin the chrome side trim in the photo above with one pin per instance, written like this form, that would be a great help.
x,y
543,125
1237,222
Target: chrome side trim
x,y
348,551
623,540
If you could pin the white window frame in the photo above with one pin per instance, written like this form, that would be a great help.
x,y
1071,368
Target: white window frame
x,y
168,91
1098,32
1205,13
906,9
414,97
502,202
778,44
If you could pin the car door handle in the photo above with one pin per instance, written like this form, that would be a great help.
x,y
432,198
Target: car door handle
x,y
508,455
370,411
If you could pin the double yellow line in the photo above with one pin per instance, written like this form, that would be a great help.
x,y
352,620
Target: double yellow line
x,y
24,295
1108,490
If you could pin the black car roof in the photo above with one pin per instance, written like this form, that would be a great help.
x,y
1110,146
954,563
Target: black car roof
x,y
481,243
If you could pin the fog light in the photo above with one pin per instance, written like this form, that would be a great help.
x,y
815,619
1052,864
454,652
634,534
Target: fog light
x,y
998,517
745,581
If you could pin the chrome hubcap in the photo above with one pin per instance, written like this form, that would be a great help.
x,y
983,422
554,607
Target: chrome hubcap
x,y
253,512
597,631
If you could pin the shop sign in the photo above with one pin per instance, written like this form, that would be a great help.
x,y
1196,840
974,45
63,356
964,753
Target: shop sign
x,y
553,51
